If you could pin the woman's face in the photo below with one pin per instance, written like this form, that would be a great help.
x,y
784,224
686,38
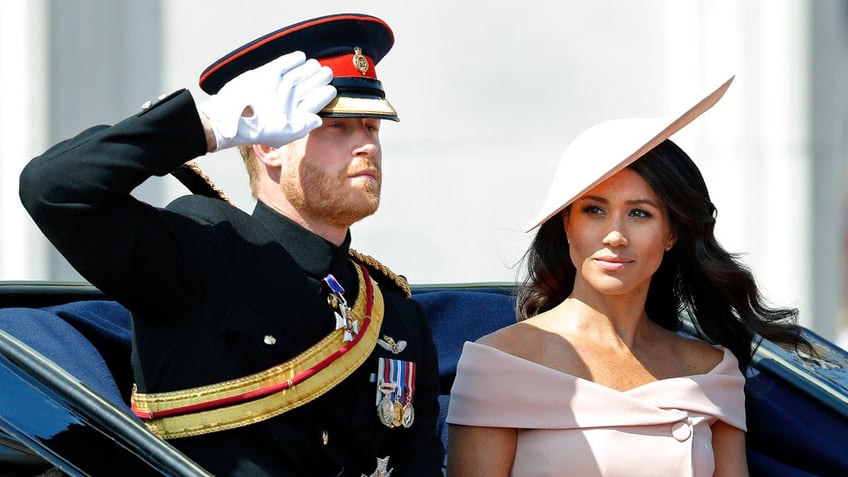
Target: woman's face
x,y
618,233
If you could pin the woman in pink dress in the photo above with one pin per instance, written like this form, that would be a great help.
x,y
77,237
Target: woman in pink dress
x,y
597,377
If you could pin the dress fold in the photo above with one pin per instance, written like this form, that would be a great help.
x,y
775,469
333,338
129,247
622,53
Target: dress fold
x,y
572,426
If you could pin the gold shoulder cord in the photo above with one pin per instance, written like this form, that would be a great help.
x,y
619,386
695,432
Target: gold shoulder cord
x,y
232,401
193,167
372,262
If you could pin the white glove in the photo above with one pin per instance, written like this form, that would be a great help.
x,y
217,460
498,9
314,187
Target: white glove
x,y
284,95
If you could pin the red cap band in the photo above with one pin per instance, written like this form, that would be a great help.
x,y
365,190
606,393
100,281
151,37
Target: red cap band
x,y
344,66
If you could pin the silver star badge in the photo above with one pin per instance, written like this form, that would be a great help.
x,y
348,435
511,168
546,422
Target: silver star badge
x,y
382,465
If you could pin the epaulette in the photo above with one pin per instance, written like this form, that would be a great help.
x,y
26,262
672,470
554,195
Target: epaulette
x,y
374,265
190,175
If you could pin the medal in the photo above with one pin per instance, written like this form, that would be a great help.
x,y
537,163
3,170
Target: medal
x,y
395,389
408,415
337,302
397,412
408,410
386,411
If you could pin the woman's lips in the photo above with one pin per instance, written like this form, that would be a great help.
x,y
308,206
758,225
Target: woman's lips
x,y
612,263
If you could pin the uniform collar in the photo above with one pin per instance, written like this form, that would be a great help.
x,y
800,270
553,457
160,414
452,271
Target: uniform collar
x,y
315,255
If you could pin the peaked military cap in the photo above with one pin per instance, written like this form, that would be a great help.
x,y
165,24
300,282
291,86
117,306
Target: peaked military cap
x,y
351,44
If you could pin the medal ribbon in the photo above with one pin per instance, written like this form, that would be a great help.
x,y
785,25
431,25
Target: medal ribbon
x,y
410,383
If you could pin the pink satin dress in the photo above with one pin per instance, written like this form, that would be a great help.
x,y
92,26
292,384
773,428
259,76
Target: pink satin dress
x,y
569,426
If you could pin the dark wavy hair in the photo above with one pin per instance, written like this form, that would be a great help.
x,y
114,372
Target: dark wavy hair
x,y
697,277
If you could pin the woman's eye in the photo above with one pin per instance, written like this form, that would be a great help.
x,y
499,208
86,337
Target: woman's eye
x,y
640,213
592,210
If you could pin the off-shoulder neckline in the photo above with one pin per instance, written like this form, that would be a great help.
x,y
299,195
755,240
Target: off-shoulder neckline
x,y
725,357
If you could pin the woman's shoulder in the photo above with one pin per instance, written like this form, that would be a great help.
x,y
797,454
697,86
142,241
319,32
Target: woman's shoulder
x,y
514,339
535,340
695,355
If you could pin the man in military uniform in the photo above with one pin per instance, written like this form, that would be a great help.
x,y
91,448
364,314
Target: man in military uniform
x,y
263,345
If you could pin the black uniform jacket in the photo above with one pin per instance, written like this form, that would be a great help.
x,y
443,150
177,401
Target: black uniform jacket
x,y
207,283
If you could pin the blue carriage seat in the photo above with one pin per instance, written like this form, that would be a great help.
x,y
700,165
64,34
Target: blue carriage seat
x,y
91,340
456,317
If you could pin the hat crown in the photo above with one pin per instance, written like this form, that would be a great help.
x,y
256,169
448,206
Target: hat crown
x,y
606,148
594,156
321,37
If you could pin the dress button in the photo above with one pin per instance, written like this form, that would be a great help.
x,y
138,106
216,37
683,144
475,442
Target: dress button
x,y
269,340
681,430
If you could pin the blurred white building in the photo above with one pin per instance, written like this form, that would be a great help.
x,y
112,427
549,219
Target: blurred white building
x,y
489,95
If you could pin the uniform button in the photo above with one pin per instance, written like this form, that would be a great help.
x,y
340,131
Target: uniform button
x,y
162,96
325,437
681,430
269,340
147,104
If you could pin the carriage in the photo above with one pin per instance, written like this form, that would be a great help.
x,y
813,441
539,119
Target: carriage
x,y
65,379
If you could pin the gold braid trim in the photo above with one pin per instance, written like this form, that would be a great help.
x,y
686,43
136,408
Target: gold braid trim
x,y
196,169
243,413
398,280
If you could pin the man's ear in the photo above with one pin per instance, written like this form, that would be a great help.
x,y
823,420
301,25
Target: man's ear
x,y
270,156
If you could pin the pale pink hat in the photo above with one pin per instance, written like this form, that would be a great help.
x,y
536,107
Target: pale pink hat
x,y
601,151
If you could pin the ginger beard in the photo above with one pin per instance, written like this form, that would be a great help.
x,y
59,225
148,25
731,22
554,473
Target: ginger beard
x,y
334,198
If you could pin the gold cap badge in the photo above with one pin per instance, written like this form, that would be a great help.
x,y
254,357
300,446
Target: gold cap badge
x,y
360,62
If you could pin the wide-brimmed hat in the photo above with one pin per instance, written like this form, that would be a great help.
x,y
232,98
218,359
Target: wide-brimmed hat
x,y
351,44
601,151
